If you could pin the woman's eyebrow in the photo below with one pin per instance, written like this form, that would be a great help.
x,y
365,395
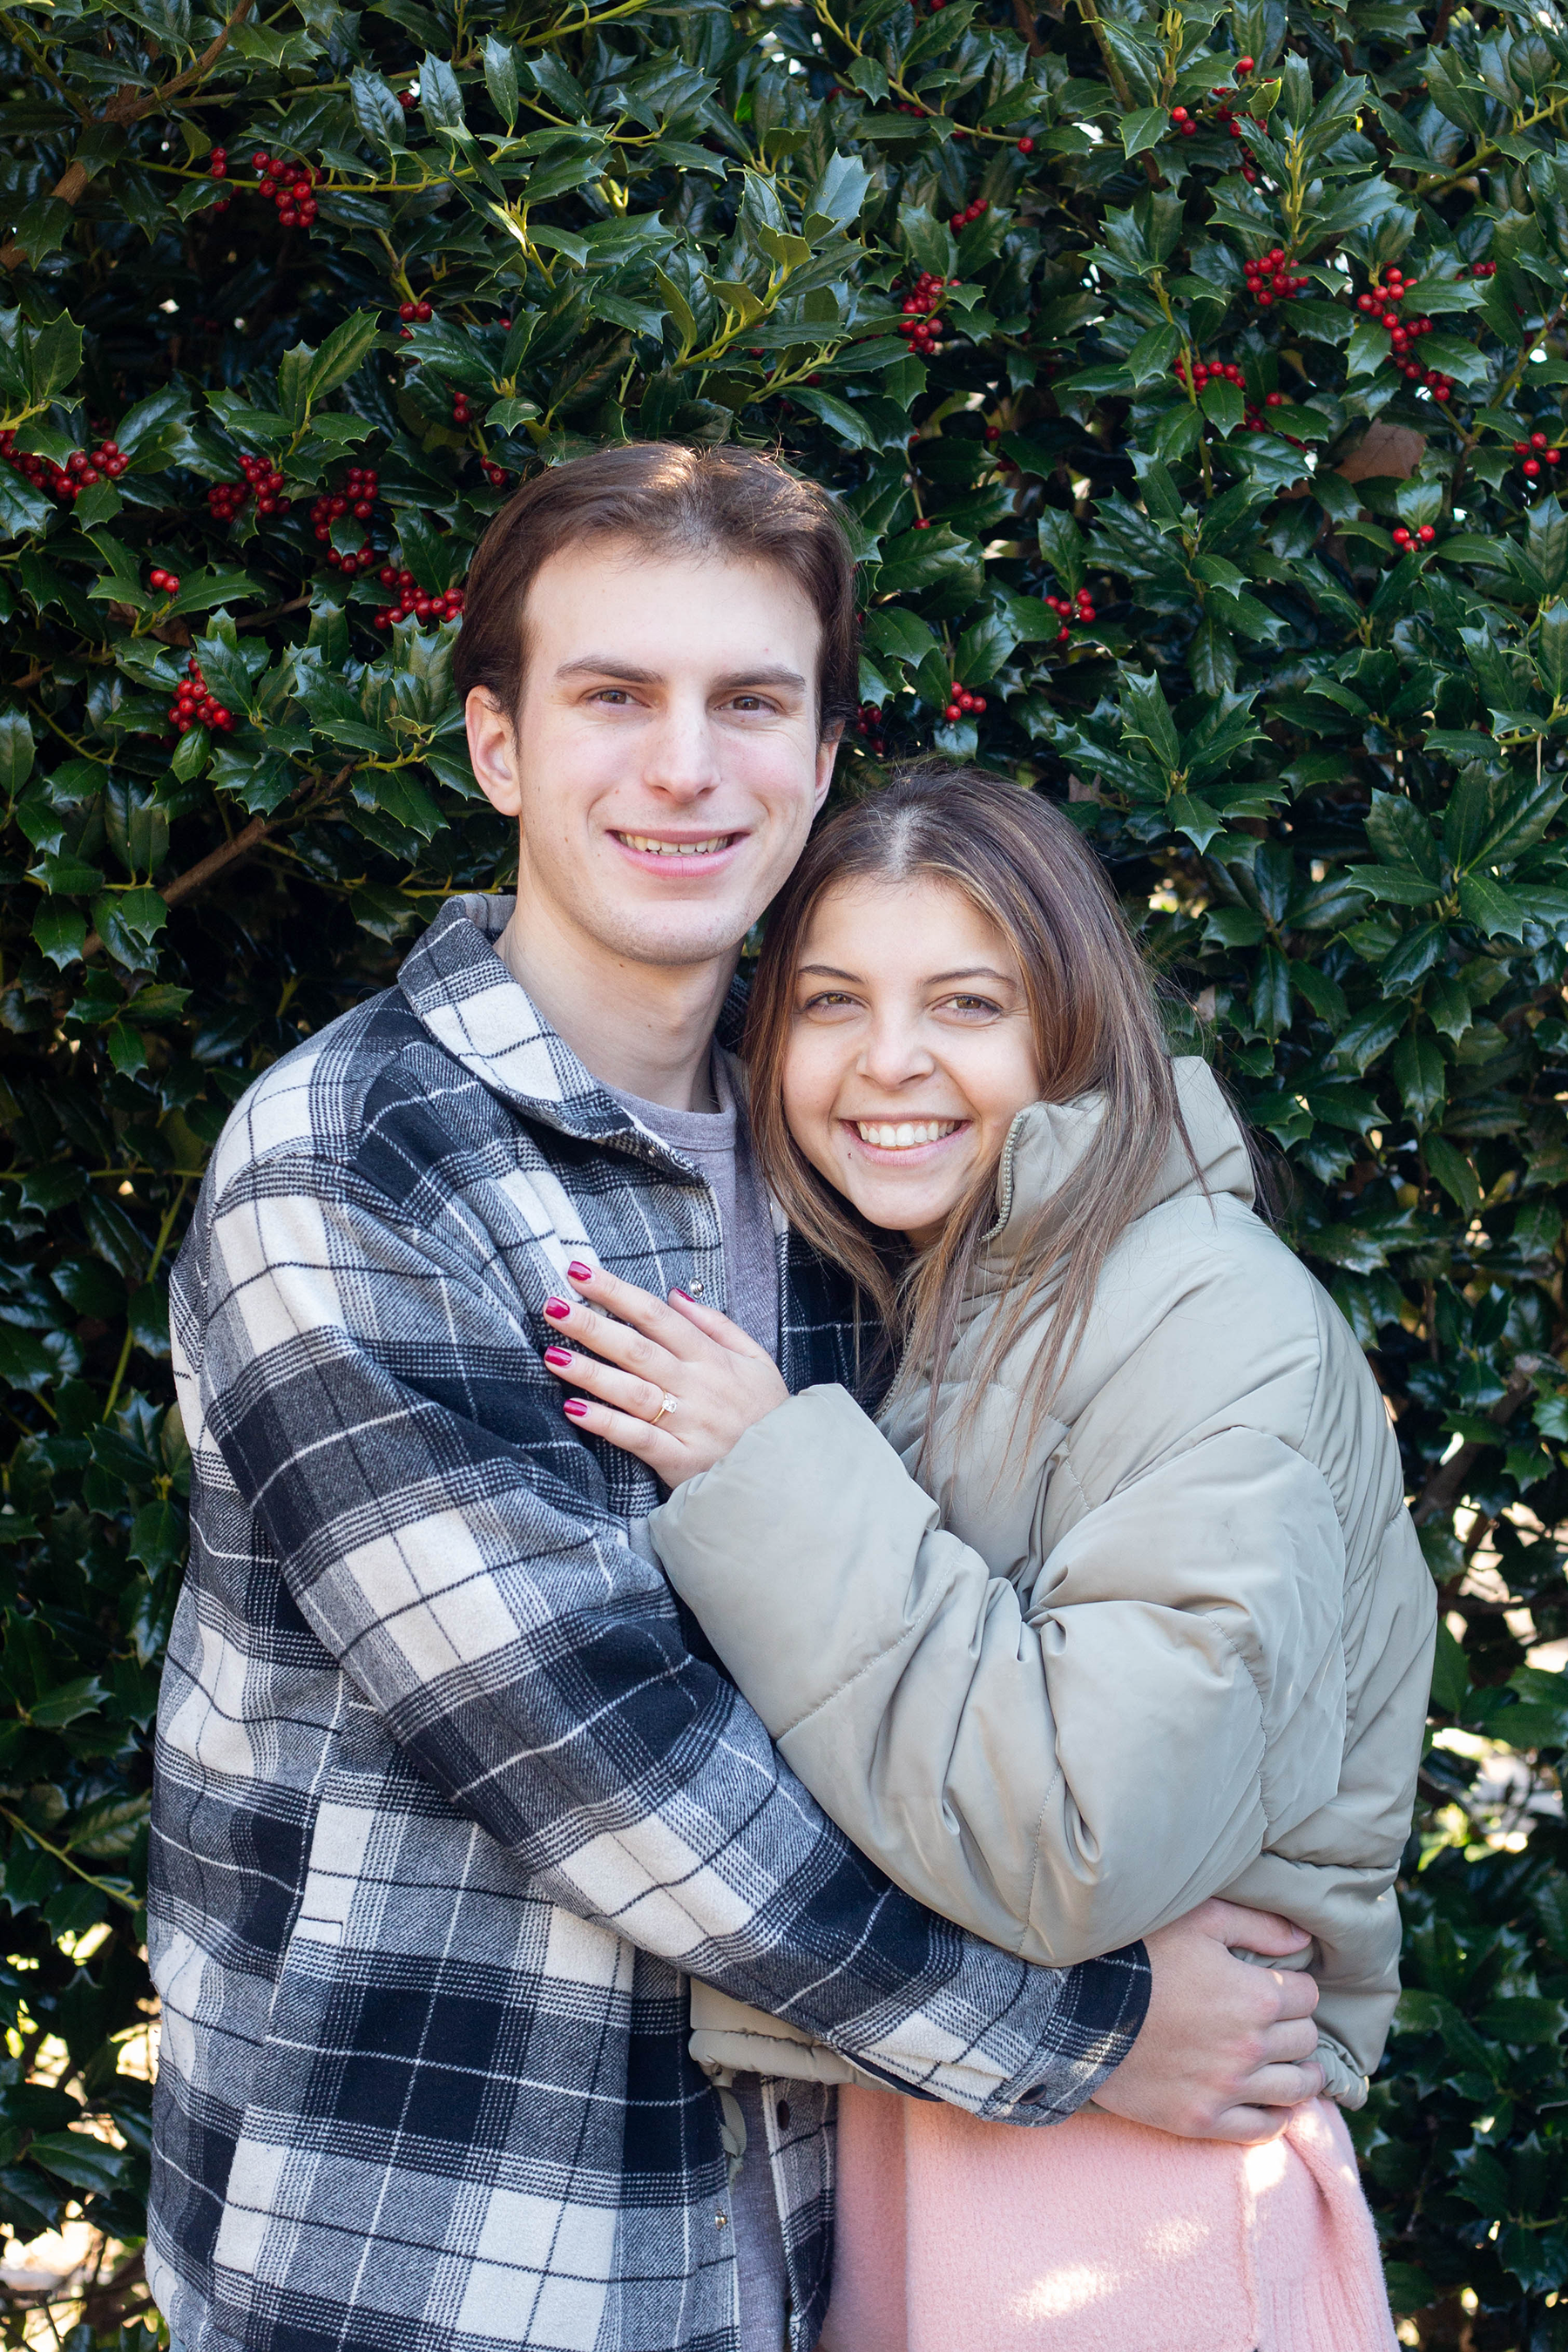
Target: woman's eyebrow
x,y
970,971
826,971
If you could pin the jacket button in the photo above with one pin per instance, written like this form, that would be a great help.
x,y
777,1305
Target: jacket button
x,y
719,2221
697,1286
784,2115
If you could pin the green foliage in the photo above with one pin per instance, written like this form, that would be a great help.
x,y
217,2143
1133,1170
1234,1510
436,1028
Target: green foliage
x,y
1322,755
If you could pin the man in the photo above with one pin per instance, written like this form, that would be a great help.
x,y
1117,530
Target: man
x,y
449,1801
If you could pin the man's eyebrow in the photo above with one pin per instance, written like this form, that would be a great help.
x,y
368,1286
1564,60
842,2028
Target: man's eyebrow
x,y
608,666
611,665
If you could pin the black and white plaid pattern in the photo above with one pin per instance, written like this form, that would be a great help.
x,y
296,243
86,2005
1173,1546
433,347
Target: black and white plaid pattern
x,y
448,1799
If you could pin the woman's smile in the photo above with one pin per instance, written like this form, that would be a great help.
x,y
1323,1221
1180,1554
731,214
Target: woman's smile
x,y
902,1139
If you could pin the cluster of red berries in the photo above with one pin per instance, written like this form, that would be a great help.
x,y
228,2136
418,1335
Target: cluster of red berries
x,y
973,211
217,169
1269,281
1081,610
408,313
1186,123
1382,302
168,582
290,186
462,412
919,321
357,497
262,481
961,703
1483,269
1536,453
415,600
107,462
868,727
1206,372
1405,538
194,707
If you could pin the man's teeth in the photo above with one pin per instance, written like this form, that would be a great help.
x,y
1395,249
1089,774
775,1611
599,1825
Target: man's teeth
x,y
906,1134
677,848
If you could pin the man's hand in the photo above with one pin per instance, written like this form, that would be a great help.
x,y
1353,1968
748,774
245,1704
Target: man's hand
x,y
1227,2048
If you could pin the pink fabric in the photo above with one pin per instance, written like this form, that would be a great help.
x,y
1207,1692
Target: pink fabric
x,y
1097,2236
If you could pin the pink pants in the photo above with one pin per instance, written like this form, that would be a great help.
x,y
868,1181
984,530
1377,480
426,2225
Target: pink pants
x,y
1097,2236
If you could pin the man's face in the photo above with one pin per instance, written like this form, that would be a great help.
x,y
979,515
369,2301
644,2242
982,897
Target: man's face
x,y
665,764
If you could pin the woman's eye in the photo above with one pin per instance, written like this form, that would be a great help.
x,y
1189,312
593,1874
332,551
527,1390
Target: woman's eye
x,y
829,1000
971,1007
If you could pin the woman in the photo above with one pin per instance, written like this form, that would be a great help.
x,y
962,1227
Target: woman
x,y
1118,1608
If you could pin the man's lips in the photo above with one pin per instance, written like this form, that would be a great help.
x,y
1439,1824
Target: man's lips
x,y
677,848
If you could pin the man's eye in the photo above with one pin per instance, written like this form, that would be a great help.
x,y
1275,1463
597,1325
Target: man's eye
x,y
610,694
750,702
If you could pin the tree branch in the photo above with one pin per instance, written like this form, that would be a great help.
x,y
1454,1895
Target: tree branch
x,y
205,869
127,105
1447,1483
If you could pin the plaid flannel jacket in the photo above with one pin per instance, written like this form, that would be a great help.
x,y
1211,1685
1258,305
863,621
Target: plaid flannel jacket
x,y
448,1800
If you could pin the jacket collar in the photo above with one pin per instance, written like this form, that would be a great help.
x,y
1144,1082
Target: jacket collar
x,y
464,995
1047,1140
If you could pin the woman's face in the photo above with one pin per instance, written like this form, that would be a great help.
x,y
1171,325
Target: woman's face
x,y
909,1051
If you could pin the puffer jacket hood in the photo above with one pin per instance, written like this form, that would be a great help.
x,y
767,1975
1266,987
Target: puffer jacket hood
x,y
1066,1674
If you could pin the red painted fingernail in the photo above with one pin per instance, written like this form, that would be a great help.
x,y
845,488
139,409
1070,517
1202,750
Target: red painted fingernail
x,y
678,1293
560,1357
575,1410
579,1272
557,1310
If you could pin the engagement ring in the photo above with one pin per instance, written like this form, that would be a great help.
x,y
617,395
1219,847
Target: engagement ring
x,y
668,1406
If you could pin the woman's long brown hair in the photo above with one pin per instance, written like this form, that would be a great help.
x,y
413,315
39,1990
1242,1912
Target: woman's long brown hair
x,y
1096,1027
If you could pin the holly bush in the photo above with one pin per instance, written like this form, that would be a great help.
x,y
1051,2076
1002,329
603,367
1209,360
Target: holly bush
x,y
1192,382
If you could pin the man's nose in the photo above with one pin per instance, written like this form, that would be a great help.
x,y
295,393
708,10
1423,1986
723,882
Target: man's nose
x,y
681,754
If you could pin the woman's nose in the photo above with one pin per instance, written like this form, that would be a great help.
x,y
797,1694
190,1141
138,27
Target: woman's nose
x,y
894,1054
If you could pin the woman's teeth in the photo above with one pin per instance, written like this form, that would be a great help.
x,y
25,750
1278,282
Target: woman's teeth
x,y
645,841
906,1134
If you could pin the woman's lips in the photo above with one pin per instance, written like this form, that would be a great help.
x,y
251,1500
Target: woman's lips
x,y
902,1142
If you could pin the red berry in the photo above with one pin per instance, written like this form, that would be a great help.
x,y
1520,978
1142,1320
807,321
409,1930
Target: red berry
x,y
922,524
267,188
1532,467
1026,146
1427,534
1178,114
1538,441
1244,65
952,712
422,310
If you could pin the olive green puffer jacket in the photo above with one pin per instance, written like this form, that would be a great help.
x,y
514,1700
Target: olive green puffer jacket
x,y
1177,1644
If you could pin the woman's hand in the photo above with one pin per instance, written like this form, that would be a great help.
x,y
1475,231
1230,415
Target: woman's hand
x,y
679,1383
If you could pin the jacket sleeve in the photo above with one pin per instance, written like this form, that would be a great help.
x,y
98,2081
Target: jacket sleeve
x,y
381,1413
1059,1770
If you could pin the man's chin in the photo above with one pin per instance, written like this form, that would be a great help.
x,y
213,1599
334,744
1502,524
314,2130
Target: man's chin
x,y
674,938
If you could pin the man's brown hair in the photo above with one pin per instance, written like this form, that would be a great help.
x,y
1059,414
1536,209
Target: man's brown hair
x,y
658,497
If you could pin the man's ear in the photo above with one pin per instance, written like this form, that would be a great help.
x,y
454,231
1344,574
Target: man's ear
x,y
492,748
826,752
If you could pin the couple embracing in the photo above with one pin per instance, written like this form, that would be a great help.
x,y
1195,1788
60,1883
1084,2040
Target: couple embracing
x,y
799,1687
